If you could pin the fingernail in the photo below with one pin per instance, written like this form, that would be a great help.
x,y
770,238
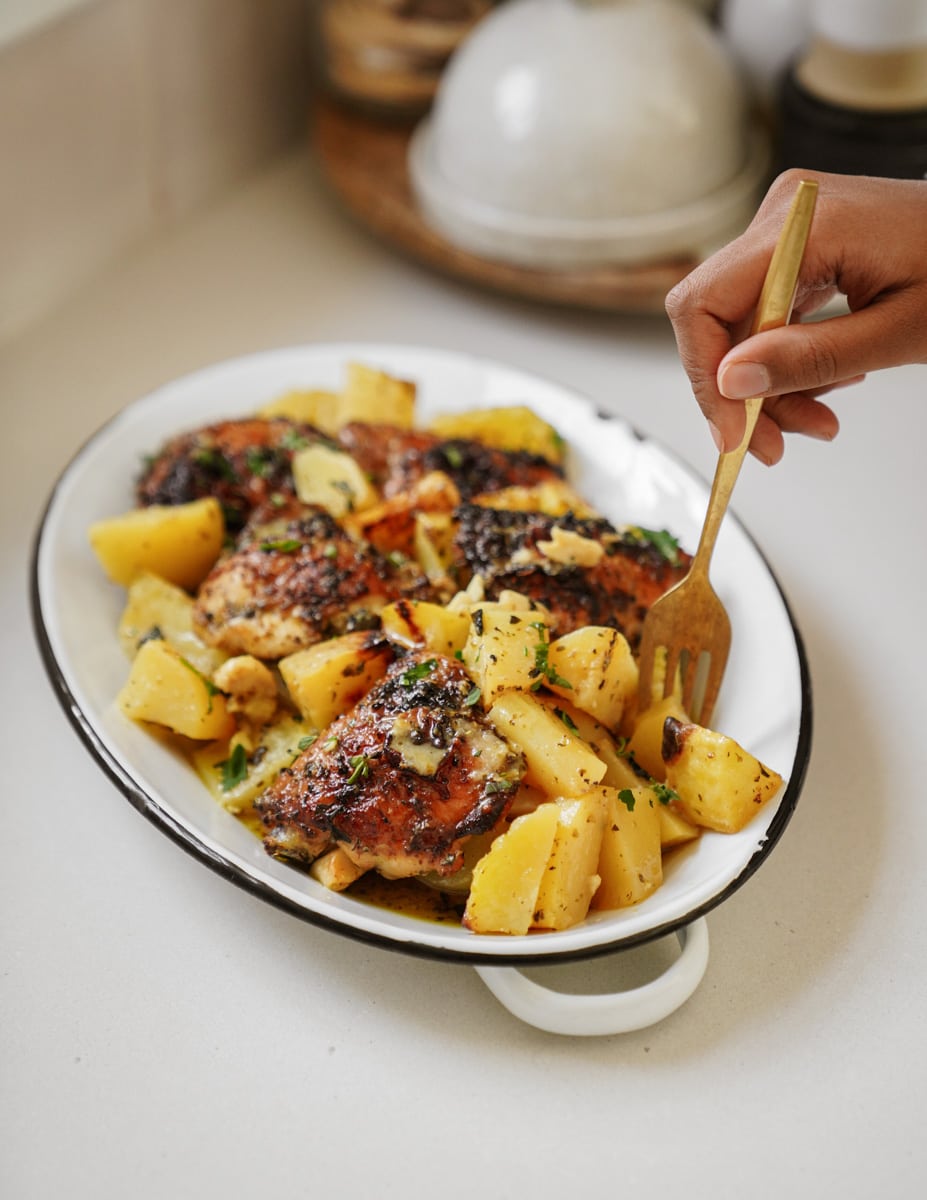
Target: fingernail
x,y
741,380
716,436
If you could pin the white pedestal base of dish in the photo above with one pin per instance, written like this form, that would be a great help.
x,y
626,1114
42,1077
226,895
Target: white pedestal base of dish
x,y
616,1012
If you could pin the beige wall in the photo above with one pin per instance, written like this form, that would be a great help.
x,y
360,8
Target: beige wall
x,y
121,116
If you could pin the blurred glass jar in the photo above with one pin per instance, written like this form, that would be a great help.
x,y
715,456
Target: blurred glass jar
x,y
386,57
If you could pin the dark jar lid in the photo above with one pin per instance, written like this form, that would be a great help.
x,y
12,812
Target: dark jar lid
x,y
822,136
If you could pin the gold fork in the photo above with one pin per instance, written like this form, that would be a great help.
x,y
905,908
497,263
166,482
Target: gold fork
x,y
687,633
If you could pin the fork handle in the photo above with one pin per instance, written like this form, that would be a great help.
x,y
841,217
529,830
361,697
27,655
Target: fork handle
x,y
773,310
722,486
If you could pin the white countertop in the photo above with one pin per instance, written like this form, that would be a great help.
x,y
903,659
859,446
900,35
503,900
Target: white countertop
x,y
165,1034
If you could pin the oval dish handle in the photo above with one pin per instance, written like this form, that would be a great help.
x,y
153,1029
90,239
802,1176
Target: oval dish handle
x,y
616,1012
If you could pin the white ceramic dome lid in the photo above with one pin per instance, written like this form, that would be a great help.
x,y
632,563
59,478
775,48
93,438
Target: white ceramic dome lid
x,y
590,109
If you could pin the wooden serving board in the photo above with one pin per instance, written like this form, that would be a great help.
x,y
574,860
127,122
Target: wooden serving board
x,y
364,161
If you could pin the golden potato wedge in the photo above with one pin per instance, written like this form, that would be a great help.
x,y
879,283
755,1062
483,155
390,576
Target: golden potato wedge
x,y
373,396
571,878
504,889
332,479
594,669
619,773
327,679
505,649
507,427
421,623
313,407
719,784
179,542
155,607
559,762
675,827
164,689
631,860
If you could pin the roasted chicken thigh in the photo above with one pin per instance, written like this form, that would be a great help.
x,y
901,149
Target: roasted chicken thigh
x,y
401,782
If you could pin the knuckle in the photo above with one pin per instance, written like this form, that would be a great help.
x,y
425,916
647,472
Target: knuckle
x,y
678,299
821,362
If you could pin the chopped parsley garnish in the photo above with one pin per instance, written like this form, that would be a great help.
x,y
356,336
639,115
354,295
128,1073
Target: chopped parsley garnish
x,y
305,742
360,765
454,457
542,669
419,671
234,768
259,462
211,689
566,719
330,743
214,461
281,545
663,793
277,499
472,697
293,440
626,796
661,540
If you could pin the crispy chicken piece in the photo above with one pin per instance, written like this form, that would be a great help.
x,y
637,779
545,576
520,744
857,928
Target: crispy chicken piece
x,y
242,463
396,459
295,578
583,570
401,782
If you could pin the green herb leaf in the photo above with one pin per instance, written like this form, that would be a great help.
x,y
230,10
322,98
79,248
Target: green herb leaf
x,y
215,462
663,793
234,768
281,545
361,767
566,719
543,668
454,457
419,671
626,796
258,462
472,697
211,689
305,742
661,539
330,743
293,440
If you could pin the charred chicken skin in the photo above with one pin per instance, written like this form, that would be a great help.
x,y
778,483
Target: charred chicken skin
x,y
242,463
583,570
296,578
401,782
396,459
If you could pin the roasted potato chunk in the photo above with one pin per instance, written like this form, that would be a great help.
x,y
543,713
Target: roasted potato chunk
x,y
571,877
179,542
559,762
164,689
327,679
504,890
631,860
720,785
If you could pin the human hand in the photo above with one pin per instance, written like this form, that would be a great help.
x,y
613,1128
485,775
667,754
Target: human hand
x,y
868,241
